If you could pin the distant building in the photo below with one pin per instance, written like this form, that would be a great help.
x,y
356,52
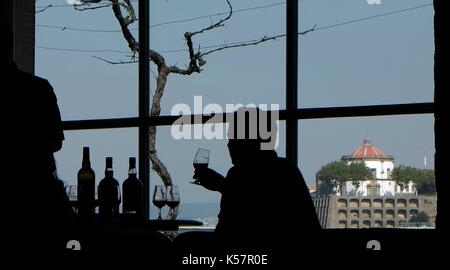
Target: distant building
x,y
312,190
372,211
381,165
376,202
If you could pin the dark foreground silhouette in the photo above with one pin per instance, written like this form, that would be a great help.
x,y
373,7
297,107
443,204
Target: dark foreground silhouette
x,y
264,197
37,213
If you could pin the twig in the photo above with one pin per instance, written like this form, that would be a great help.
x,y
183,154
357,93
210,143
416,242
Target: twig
x,y
250,43
120,62
89,7
254,42
218,24
44,9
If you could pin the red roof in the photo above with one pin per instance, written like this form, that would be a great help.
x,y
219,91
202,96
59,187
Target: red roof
x,y
368,151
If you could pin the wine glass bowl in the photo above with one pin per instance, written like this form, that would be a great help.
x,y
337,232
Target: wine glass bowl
x,y
202,156
159,198
201,160
72,195
173,199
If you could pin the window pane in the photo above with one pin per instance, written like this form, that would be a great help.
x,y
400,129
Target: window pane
x,y
178,155
385,144
117,143
250,74
68,44
376,60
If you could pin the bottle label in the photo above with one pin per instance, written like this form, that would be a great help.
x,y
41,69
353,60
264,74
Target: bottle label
x,y
132,171
109,169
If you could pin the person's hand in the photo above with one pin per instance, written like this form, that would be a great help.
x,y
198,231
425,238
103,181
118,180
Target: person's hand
x,y
209,179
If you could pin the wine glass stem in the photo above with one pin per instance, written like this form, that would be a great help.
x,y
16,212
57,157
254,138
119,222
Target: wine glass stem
x,y
159,213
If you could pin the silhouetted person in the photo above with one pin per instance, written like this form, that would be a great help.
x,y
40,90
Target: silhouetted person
x,y
37,209
264,197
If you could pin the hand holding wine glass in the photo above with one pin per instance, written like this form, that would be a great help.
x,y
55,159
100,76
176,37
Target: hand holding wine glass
x,y
201,161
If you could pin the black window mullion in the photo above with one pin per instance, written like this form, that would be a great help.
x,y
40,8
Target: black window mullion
x,y
144,101
299,114
291,80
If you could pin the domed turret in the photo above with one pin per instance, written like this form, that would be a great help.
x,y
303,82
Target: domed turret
x,y
368,151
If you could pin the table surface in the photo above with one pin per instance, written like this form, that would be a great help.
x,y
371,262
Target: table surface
x,y
126,222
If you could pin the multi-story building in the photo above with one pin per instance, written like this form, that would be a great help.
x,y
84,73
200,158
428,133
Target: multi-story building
x,y
372,211
376,202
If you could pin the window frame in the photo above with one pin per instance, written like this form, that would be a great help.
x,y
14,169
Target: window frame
x,y
291,114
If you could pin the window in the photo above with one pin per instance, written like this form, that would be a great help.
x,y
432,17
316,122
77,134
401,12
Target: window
x,y
353,69
69,44
349,79
83,57
354,58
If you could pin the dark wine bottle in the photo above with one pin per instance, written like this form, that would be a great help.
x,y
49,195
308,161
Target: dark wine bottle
x,y
132,192
86,188
108,194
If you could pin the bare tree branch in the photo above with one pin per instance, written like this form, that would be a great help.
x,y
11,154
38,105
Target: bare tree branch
x,y
245,44
254,42
124,22
218,24
187,71
120,62
132,15
44,9
76,7
196,57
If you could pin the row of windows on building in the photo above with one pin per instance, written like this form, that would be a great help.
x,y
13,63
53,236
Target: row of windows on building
x,y
356,224
377,213
398,202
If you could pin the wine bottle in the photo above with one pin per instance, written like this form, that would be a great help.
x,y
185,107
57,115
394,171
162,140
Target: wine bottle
x,y
108,194
132,192
86,187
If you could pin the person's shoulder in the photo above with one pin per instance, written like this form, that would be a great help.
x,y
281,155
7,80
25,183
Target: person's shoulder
x,y
39,88
31,78
42,82
284,162
287,168
233,170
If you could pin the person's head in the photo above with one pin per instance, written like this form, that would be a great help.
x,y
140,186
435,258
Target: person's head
x,y
251,131
7,43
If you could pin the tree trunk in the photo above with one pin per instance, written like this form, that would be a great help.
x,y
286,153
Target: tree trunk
x,y
157,165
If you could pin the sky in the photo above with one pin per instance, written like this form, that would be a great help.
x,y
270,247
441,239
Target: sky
x,y
379,60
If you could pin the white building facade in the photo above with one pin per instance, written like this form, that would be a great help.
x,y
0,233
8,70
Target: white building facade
x,y
382,166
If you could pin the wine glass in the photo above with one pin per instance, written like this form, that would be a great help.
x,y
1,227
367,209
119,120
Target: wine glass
x,y
201,160
159,198
173,198
72,194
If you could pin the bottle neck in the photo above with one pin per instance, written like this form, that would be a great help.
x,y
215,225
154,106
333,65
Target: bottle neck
x,y
109,168
132,173
109,173
86,158
132,168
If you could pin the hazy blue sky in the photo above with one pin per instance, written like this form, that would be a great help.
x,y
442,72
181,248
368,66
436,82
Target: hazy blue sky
x,y
383,60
